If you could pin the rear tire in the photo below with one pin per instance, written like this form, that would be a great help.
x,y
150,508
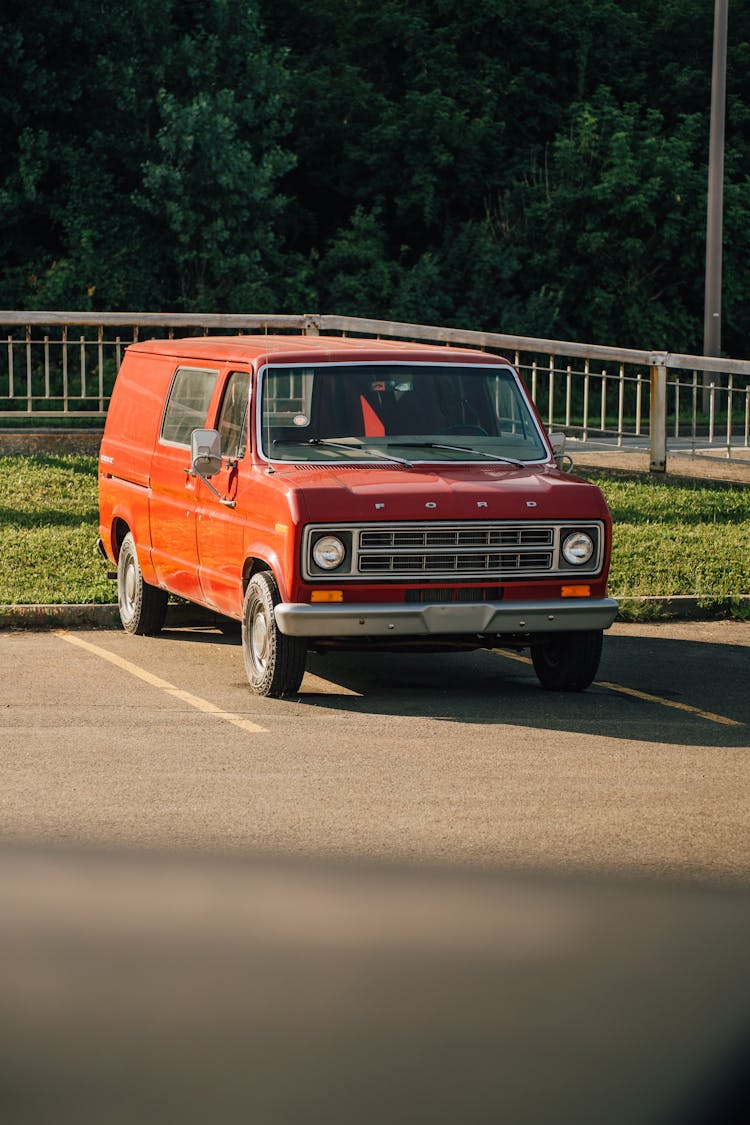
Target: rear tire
x,y
275,663
568,661
142,607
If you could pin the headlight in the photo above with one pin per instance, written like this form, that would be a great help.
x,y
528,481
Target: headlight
x,y
329,552
577,548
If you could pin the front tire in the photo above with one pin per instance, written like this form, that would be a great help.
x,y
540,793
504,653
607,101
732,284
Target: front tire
x,y
142,607
275,663
568,661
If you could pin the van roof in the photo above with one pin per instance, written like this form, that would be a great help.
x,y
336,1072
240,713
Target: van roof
x,y
303,349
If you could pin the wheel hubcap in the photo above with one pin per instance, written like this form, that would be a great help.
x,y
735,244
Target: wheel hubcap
x,y
129,585
259,640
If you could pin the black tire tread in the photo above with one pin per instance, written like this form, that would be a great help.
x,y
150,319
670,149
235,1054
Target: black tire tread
x,y
150,603
286,665
568,661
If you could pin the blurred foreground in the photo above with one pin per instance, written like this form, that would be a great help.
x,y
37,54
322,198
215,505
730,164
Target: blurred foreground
x,y
138,988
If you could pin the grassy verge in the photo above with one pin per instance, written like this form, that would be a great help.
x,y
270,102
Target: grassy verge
x,y
48,531
681,538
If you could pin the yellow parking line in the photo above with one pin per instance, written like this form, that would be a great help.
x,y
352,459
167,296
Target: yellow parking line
x,y
195,701
514,656
644,695
712,718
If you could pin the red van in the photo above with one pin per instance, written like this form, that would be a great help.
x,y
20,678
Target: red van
x,y
331,492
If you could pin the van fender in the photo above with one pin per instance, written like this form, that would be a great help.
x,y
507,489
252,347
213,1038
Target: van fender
x,y
125,519
259,557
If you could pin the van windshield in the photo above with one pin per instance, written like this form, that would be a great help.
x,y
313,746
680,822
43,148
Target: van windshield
x,y
397,412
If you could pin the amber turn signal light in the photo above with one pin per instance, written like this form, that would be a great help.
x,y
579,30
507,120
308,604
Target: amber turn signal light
x,y
327,596
576,592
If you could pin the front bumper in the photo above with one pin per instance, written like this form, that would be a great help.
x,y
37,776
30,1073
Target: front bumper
x,y
297,619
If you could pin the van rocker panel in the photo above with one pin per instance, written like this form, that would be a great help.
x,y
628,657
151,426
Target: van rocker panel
x,y
561,615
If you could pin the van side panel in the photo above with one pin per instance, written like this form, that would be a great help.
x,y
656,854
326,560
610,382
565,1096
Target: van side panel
x,y
135,412
130,433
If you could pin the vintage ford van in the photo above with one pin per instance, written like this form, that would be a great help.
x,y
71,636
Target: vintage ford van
x,y
331,492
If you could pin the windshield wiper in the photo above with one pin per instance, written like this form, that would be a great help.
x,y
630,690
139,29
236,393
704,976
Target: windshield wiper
x,y
458,449
345,445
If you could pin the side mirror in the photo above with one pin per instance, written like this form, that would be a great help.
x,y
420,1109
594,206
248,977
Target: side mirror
x,y
563,460
205,455
205,452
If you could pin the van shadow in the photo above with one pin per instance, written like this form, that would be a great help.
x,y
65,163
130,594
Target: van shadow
x,y
492,687
47,517
495,688
81,463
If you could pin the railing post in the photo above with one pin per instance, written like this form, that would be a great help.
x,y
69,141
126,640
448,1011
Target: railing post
x,y
657,428
311,326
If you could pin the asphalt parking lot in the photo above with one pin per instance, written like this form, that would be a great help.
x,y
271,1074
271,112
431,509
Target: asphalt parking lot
x,y
157,742
421,890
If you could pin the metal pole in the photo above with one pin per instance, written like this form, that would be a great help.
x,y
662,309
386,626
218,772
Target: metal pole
x,y
658,415
712,310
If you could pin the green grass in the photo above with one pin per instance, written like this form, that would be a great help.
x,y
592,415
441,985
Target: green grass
x,y
686,538
669,538
48,532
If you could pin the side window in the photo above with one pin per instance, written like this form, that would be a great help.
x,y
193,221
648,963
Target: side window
x,y
233,417
188,404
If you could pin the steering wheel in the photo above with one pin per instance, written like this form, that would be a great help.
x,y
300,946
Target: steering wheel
x,y
467,430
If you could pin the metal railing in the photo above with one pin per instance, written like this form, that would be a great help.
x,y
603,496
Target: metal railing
x,y
61,366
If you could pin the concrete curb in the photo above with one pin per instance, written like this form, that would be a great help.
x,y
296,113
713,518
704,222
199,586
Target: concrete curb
x,y
683,607
652,608
681,467
97,617
18,443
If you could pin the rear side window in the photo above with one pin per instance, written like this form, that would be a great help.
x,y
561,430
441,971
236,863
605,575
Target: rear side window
x,y
188,404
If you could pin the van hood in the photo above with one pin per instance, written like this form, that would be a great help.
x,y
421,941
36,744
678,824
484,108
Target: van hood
x,y
488,491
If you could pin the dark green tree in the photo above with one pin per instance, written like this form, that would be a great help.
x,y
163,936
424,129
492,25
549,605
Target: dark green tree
x,y
615,225
144,154
535,167
528,166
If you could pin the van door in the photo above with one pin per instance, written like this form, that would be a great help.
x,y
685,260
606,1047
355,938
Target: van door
x,y
221,529
173,499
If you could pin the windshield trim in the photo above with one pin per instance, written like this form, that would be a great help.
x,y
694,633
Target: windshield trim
x,y
266,366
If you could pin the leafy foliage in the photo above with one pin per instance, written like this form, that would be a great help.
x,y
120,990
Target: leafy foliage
x,y
149,147
528,166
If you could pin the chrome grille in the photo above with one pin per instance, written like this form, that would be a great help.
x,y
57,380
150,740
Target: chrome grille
x,y
459,537
441,563
458,552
